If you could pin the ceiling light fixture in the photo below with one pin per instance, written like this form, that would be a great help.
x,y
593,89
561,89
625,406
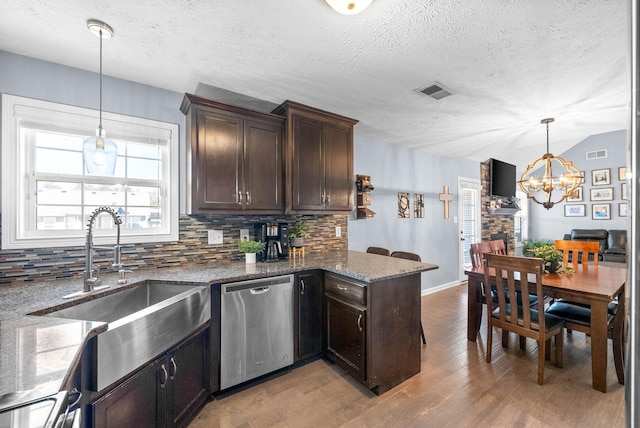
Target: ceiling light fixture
x,y
567,181
349,7
100,153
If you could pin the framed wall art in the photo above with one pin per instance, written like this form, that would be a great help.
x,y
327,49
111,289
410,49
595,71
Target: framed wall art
x,y
577,195
418,205
403,205
575,210
601,211
623,191
601,177
622,173
601,194
623,209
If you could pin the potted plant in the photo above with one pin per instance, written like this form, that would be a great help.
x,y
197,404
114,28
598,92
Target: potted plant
x,y
551,257
250,248
297,233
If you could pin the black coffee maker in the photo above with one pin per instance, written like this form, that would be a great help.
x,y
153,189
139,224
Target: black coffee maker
x,y
276,237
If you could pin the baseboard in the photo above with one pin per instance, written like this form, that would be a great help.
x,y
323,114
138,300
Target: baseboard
x,y
432,290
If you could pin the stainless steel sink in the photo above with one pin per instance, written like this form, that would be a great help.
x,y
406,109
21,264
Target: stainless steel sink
x,y
143,322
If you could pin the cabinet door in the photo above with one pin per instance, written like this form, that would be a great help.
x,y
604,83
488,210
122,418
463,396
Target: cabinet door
x,y
309,314
132,404
346,336
263,185
218,154
308,164
186,387
338,159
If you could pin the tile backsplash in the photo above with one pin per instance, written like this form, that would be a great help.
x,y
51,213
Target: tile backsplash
x,y
23,266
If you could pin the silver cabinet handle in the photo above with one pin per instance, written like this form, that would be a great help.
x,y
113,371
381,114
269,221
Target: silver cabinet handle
x,y
302,286
163,379
247,198
342,288
360,322
326,200
239,198
175,368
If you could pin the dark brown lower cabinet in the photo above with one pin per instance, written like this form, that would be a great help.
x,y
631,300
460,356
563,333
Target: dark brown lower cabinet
x,y
373,328
166,393
346,336
308,315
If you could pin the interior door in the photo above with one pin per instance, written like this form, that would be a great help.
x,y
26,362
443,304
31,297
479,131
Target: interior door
x,y
470,223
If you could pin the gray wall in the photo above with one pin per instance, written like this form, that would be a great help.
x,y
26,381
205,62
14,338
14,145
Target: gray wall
x,y
396,169
32,78
552,224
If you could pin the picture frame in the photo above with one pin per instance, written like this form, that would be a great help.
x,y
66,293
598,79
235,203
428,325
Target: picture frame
x,y
418,205
577,195
623,209
601,177
403,205
575,210
624,191
601,211
622,173
601,194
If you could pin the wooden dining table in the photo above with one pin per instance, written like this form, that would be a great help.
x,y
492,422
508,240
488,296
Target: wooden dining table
x,y
594,285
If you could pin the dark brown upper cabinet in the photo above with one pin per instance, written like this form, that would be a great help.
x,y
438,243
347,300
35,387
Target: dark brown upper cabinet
x,y
319,160
235,156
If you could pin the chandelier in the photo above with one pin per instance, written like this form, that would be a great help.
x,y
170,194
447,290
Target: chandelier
x,y
565,181
99,152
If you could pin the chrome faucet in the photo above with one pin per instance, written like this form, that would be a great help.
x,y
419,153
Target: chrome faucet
x,y
92,282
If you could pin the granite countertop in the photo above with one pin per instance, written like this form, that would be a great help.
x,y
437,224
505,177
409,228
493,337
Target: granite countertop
x,y
38,353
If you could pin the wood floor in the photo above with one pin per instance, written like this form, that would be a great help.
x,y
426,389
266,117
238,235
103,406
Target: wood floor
x,y
455,388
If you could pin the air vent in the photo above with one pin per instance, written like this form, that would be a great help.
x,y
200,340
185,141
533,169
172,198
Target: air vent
x,y
597,154
435,90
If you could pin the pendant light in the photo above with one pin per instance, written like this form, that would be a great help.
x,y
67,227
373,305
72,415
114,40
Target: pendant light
x,y
567,177
349,7
100,153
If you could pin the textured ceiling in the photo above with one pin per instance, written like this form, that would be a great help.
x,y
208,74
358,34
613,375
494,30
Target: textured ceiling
x,y
509,63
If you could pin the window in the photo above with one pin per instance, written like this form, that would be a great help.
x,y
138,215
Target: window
x,y
521,219
47,197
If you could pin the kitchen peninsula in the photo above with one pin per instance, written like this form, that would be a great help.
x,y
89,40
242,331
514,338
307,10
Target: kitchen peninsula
x,y
382,292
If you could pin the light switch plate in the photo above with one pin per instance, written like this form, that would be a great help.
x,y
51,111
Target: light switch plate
x,y
244,234
338,231
215,237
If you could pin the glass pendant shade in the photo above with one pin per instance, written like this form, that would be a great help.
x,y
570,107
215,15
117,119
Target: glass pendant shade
x,y
557,174
349,7
100,154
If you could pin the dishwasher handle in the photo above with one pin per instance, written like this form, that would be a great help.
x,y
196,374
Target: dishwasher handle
x,y
260,290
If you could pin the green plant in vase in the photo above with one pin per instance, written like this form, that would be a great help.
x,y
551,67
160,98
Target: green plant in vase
x,y
297,232
551,258
250,248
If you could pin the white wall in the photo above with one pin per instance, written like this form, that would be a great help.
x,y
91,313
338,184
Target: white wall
x,y
396,169
552,224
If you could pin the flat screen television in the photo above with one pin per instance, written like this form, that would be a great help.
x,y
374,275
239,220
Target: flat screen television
x,y
502,179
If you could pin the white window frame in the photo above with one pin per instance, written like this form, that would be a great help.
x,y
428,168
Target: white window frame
x,y
17,188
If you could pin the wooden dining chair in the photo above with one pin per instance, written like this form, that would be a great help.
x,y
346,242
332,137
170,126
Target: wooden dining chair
x,y
497,247
578,315
378,250
417,258
522,320
477,258
577,252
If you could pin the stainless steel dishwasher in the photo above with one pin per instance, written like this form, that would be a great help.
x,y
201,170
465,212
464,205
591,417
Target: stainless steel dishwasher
x,y
256,328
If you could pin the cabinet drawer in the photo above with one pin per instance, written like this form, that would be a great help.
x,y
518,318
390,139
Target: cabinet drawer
x,y
345,289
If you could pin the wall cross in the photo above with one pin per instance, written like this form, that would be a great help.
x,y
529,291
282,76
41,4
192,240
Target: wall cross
x,y
446,197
